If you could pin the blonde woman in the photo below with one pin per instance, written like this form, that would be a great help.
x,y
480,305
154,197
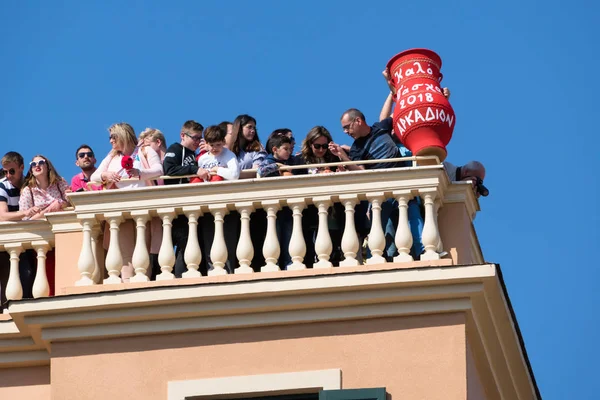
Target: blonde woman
x,y
113,174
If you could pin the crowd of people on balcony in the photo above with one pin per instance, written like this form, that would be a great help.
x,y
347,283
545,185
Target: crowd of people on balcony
x,y
226,151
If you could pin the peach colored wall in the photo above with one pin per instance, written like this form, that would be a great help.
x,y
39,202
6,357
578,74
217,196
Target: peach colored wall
x,y
455,230
475,390
67,248
421,357
27,383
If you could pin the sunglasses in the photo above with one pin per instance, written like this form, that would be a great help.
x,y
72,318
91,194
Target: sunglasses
x,y
194,138
9,171
34,164
90,154
320,146
113,136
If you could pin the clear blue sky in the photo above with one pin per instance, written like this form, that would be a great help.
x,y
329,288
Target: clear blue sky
x,y
525,90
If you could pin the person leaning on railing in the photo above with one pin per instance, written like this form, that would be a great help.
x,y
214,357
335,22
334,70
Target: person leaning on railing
x,y
10,193
370,143
245,144
114,176
222,164
315,150
154,139
180,160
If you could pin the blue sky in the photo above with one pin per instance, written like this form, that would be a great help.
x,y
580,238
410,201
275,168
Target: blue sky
x,y
524,88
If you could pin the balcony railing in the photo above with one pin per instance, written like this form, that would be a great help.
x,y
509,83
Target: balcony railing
x,y
79,231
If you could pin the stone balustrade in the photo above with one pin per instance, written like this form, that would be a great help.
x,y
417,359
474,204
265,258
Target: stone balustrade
x,y
17,238
113,208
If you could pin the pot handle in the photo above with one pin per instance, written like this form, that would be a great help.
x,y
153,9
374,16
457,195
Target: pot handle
x,y
441,77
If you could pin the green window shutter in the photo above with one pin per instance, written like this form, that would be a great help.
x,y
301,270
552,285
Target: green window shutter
x,y
353,394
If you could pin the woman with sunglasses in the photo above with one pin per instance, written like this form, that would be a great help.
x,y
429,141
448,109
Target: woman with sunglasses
x,y
315,150
43,188
114,175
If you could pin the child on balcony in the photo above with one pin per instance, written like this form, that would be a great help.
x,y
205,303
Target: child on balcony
x,y
218,160
280,154
221,164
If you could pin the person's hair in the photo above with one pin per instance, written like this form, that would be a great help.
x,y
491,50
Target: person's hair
x,y
53,176
14,157
125,137
154,135
83,146
192,125
241,143
276,132
307,151
353,113
214,134
223,126
279,140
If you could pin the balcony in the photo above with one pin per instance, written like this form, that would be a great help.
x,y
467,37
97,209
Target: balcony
x,y
82,265
448,316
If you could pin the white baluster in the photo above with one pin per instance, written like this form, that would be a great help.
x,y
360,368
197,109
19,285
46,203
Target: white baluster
x,y
14,290
97,275
40,284
323,246
86,263
140,258
245,250
350,244
440,246
431,236
114,259
403,239
192,254
166,254
218,251
271,249
297,247
376,235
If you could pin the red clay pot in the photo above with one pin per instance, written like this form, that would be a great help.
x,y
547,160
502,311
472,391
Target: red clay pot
x,y
423,118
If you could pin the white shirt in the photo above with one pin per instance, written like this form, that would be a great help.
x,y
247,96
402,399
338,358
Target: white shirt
x,y
226,161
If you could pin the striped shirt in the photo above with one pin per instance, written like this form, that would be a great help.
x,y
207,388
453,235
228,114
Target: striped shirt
x,y
9,194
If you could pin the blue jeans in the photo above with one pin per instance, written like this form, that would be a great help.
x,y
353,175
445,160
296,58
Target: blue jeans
x,y
415,221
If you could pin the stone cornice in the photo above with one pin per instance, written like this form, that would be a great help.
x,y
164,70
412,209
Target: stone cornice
x,y
475,290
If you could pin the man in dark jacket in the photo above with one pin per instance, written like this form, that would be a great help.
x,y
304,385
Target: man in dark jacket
x,y
180,160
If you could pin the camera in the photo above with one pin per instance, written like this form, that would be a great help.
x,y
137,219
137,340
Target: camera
x,y
480,187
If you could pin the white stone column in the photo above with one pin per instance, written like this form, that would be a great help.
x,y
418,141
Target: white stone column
x,y
431,235
376,234
350,244
403,239
166,254
14,290
297,247
96,241
440,246
245,250
192,254
114,259
323,246
271,248
218,251
41,288
140,258
87,262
